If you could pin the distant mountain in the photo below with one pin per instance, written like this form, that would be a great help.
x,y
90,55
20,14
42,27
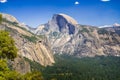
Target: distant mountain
x,y
112,28
68,37
114,25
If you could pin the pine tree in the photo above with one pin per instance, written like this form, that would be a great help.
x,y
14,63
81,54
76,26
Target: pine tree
x,y
0,18
7,47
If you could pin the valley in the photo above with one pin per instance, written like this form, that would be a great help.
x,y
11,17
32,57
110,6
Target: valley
x,y
63,49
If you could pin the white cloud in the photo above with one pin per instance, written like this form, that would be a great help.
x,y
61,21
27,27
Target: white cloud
x,y
105,26
76,3
3,1
105,0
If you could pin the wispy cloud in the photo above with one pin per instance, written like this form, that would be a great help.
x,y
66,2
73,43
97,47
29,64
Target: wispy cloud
x,y
105,0
76,3
3,1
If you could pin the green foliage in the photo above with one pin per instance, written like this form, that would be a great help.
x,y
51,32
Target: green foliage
x,y
46,29
91,29
7,74
102,31
7,48
2,78
82,25
0,18
84,30
55,34
12,75
9,51
3,65
34,65
41,36
33,76
13,23
10,30
30,38
72,68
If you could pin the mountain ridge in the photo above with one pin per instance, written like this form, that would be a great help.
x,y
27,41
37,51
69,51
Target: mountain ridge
x,y
65,36
59,36
29,45
79,40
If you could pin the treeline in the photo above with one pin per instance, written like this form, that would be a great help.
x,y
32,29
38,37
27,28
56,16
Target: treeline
x,y
72,68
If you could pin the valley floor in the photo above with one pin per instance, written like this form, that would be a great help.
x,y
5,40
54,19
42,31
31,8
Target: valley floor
x,y
72,68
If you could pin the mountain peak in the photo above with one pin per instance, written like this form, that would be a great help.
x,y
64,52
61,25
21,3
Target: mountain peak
x,y
116,24
113,25
9,17
67,17
63,23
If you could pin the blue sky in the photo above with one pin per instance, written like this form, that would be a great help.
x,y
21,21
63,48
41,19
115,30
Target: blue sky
x,y
89,12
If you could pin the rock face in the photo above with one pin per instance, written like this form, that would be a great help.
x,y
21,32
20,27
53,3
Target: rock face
x,y
65,23
13,20
9,17
63,35
19,64
59,23
30,46
68,37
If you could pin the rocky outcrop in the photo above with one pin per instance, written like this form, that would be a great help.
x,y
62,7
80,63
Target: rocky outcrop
x,y
20,65
37,51
9,17
13,20
29,45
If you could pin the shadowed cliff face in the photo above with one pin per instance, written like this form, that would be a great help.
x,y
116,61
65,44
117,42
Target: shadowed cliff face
x,y
59,24
64,25
67,37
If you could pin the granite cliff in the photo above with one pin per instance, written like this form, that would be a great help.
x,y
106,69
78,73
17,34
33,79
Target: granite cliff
x,y
68,37
29,45
61,35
